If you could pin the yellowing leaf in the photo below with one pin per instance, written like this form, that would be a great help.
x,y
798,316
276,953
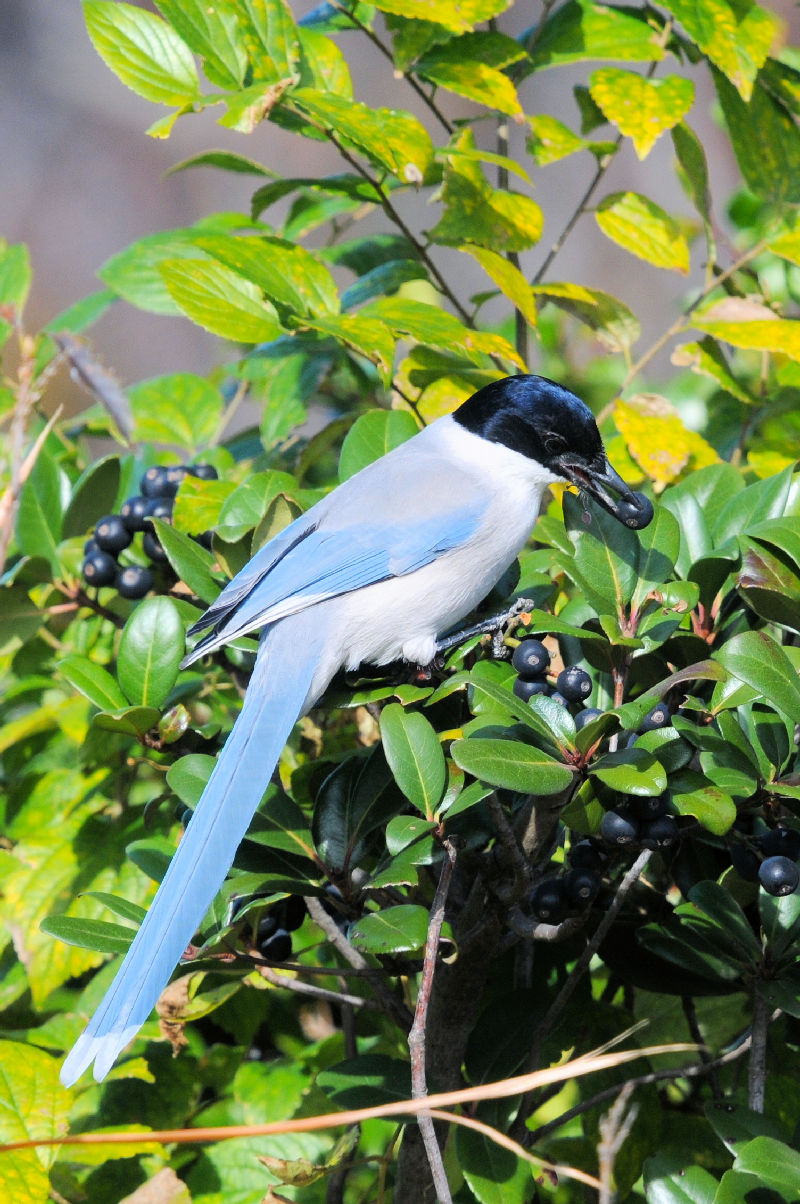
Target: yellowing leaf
x,y
736,37
459,15
787,245
658,440
747,325
220,300
641,109
644,229
367,336
478,81
390,137
508,278
443,396
143,51
551,140
614,325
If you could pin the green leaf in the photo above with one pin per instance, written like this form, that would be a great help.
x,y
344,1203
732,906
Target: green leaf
x,y
430,325
415,757
692,159
20,618
495,1175
188,777
135,274
659,545
735,1125
213,32
199,503
220,300
143,51
150,652
365,1081
99,935
774,1164
93,681
706,358
384,279
755,658
15,280
93,495
644,229
372,436
581,30
190,561
737,38
631,771
452,67
641,109
272,23
733,930
401,929
225,160
475,212
606,556
770,164
780,919
458,15
181,409
41,509
288,274
364,335
550,140
354,799
118,907
668,1180
508,278
131,721
391,138
769,587
712,807
616,326
511,764
33,1106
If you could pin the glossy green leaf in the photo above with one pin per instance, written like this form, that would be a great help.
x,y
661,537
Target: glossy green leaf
x,y
511,764
191,562
372,436
215,33
150,652
357,797
769,587
415,756
495,1175
712,806
391,138
99,935
142,50
404,831
135,275
733,929
41,509
737,38
735,1125
774,1164
401,929
93,495
93,681
188,777
645,229
134,721
365,335
668,1180
220,300
641,109
366,1080
630,771
755,658
606,556
180,408
780,919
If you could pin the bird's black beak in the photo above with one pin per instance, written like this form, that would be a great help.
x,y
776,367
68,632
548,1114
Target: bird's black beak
x,y
602,482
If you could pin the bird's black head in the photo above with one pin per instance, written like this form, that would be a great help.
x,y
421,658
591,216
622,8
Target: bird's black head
x,y
547,423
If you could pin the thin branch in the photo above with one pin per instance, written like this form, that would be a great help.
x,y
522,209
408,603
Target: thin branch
x,y
757,1066
614,1128
387,999
690,1012
308,988
602,167
19,471
416,1038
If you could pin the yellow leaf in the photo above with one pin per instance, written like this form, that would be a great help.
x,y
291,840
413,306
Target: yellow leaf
x,y
641,109
658,440
644,229
508,278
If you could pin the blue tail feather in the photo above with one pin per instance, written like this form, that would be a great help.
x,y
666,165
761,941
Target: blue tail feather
x,y
275,698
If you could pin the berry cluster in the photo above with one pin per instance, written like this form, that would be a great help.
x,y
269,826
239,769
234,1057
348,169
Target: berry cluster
x,y
771,860
643,822
556,897
273,932
115,532
572,685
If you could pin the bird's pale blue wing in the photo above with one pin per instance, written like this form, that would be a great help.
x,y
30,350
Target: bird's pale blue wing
x,y
328,561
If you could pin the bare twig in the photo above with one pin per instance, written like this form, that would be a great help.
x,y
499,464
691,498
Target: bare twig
x,y
308,988
19,472
614,1128
99,382
416,1038
387,999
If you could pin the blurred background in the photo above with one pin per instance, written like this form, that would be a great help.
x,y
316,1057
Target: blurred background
x,y
81,180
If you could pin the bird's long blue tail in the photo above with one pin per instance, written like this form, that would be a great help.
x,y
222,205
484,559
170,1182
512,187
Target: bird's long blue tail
x,y
275,698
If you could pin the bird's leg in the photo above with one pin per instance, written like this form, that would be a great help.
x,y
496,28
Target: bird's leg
x,y
494,626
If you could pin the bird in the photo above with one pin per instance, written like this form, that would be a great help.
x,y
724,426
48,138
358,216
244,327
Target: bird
x,y
377,571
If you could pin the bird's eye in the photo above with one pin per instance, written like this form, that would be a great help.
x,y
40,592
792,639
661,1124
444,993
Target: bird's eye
x,y
554,444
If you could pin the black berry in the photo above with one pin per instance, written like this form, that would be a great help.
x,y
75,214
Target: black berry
x,y
581,885
586,716
784,842
153,549
779,876
204,472
133,512
99,569
587,855
204,539
746,862
650,807
620,827
154,482
530,658
173,477
655,719
277,947
267,926
292,912
636,513
548,901
574,683
160,507
111,534
525,688
560,698
660,833
134,581
90,546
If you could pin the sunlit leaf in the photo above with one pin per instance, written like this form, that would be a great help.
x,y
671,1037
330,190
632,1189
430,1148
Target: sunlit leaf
x,y
645,229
